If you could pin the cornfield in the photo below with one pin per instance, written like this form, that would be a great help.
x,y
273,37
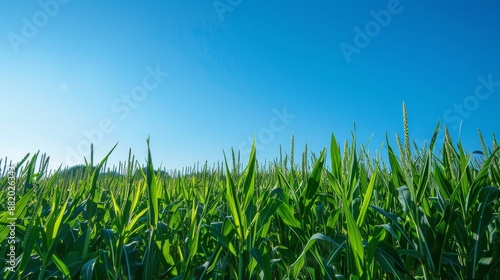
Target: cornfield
x,y
425,213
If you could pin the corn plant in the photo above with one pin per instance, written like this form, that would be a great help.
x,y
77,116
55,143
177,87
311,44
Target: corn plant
x,y
425,213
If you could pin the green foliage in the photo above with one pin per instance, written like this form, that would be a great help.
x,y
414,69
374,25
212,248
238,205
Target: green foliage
x,y
430,214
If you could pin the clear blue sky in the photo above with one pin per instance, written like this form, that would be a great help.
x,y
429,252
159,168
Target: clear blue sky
x,y
238,69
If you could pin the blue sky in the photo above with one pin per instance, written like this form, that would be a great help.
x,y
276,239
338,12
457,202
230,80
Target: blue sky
x,y
200,77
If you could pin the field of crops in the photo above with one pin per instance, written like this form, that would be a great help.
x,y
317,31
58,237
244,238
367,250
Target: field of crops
x,y
427,213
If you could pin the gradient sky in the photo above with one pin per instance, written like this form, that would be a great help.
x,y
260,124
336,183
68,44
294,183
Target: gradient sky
x,y
73,70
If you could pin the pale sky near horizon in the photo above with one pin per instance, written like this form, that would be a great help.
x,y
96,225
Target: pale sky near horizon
x,y
200,77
